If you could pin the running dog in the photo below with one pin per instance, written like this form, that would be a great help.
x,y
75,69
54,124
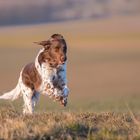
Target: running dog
x,y
47,75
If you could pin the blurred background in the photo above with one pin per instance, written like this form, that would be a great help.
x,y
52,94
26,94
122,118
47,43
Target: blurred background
x,y
103,38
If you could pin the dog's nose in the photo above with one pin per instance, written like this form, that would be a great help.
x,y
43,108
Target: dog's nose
x,y
63,58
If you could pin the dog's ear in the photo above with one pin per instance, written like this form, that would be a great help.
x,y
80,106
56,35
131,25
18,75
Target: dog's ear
x,y
45,43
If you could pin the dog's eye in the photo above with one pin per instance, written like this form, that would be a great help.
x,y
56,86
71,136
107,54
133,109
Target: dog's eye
x,y
56,49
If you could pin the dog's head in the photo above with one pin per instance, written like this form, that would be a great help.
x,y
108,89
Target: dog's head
x,y
55,50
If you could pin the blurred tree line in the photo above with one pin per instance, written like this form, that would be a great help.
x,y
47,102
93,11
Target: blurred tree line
x,y
38,11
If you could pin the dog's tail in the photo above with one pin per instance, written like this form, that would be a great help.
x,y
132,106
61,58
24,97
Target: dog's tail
x,y
13,94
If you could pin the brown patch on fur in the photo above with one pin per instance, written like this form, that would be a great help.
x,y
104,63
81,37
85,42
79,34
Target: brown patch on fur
x,y
31,77
54,52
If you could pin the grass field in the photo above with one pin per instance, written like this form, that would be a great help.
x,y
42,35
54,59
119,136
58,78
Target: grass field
x,y
103,76
69,126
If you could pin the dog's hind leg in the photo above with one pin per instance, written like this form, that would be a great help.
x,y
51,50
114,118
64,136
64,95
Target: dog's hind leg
x,y
27,93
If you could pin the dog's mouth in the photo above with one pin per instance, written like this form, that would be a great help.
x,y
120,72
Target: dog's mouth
x,y
53,65
57,65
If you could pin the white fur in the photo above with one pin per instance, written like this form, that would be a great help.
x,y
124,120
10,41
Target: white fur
x,y
31,97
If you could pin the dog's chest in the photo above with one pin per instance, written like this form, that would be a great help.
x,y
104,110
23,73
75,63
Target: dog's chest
x,y
47,75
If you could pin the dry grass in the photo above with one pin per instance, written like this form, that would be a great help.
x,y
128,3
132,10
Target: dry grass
x,y
68,125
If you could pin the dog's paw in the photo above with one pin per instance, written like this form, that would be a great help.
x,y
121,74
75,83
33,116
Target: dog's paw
x,y
63,102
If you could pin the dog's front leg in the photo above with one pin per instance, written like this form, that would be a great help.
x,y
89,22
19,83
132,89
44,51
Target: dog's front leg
x,y
62,80
50,89
35,98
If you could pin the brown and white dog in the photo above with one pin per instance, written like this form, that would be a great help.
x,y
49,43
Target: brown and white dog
x,y
47,75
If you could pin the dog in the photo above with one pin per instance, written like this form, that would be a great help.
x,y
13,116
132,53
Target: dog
x,y
47,75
